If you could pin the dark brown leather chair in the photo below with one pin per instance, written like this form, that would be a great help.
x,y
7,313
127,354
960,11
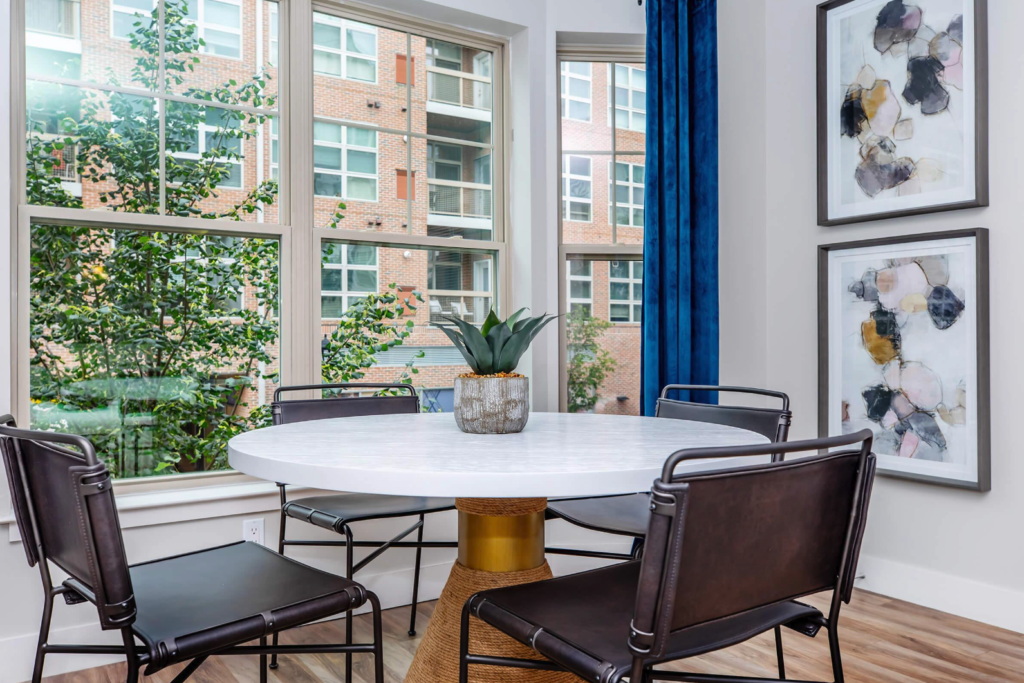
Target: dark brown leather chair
x,y
338,512
627,515
729,554
183,608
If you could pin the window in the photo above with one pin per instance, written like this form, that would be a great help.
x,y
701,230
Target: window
x,y
601,170
183,342
220,26
219,132
630,97
345,162
348,275
444,55
344,48
124,14
576,91
577,189
580,286
625,291
629,194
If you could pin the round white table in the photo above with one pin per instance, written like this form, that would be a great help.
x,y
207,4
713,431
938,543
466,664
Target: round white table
x,y
501,484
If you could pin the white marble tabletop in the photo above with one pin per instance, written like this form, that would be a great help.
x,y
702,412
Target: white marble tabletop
x,y
556,455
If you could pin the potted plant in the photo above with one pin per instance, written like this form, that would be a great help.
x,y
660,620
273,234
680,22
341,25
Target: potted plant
x,y
493,398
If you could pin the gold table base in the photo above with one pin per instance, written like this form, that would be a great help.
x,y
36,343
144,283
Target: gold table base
x,y
501,543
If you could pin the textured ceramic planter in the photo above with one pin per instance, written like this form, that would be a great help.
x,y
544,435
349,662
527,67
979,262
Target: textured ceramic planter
x,y
492,405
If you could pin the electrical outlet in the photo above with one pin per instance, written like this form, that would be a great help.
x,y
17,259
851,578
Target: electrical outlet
x,y
252,530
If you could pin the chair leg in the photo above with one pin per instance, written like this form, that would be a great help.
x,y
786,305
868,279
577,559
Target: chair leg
x,y
416,581
778,653
349,571
263,661
133,659
44,634
837,659
637,672
281,551
638,548
378,639
464,645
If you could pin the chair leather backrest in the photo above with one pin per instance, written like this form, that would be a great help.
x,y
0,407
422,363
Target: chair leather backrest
x,y
304,410
772,423
739,539
64,503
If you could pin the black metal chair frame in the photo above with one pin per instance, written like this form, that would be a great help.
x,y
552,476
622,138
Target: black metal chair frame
x,y
352,567
649,629
136,657
785,420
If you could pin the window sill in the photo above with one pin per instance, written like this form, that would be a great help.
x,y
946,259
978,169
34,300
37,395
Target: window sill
x,y
150,508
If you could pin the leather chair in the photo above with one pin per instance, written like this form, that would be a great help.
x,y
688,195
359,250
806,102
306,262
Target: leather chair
x,y
337,512
627,515
182,608
729,554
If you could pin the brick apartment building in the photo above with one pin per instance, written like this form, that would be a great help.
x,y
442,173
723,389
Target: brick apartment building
x,y
363,75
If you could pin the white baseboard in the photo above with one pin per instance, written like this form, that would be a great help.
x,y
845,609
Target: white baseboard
x,y
957,595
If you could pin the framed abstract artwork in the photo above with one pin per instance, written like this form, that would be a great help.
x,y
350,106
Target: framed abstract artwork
x,y
903,351
902,108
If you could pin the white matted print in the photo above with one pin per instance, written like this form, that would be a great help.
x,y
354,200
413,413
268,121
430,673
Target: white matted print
x,y
903,344
900,102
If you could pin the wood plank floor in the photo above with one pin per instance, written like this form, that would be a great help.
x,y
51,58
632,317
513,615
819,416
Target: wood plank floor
x,y
883,641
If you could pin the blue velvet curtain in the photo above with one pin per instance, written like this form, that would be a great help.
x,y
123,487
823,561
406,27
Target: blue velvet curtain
x,y
680,313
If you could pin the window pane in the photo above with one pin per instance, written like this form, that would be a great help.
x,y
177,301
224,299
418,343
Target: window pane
x,y
579,289
580,212
579,165
583,128
362,69
439,283
327,157
361,42
603,342
459,191
222,13
327,63
326,35
362,255
327,185
327,132
360,137
629,193
579,88
361,188
330,280
332,306
362,162
362,281
104,371
223,43
580,188
630,107
577,267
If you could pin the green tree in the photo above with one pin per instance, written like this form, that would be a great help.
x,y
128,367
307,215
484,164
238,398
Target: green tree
x,y
589,362
137,337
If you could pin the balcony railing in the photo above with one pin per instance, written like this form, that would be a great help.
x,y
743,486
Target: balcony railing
x,y
65,161
54,17
455,198
468,305
458,88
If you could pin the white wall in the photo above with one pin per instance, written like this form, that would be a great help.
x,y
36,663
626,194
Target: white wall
x,y
531,26
953,550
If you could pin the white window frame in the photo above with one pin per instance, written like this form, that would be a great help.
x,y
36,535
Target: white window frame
x,y
348,297
295,231
631,111
631,281
115,8
344,146
344,25
564,77
600,248
613,199
570,300
567,177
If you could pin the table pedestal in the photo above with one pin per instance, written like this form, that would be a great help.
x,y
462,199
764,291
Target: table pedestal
x,y
501,543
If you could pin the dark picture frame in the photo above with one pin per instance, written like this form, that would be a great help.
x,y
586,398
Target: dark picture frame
x,y
981,180
982,366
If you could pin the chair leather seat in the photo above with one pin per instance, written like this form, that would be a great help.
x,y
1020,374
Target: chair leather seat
x,y
334,511
626,515
193,604
591,613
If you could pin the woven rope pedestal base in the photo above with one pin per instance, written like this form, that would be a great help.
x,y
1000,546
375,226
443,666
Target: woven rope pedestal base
x,y
437,659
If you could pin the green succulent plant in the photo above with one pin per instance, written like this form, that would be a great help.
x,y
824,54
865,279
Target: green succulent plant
x,y
497,345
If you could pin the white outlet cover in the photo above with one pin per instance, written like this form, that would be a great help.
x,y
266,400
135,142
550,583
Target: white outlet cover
x,y
252,530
